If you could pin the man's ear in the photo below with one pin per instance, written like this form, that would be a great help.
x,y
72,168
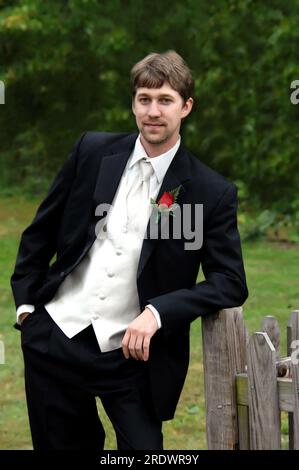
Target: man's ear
x,y
187,107
133,105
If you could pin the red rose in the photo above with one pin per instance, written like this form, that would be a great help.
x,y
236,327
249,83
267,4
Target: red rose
x,y
167,203
166,199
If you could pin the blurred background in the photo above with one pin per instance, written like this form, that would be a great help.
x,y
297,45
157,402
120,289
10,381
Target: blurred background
x,y
65,66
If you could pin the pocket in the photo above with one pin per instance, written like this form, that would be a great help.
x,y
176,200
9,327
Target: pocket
x,y
34,314
35,331
26,319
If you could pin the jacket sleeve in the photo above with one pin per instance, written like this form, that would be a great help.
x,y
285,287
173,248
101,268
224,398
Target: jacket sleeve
x,y
38,241
224,285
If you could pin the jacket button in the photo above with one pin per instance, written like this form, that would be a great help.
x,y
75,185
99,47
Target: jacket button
x,y
62,274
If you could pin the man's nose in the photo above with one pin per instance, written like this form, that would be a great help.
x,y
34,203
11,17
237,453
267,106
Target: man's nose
x,y
154,109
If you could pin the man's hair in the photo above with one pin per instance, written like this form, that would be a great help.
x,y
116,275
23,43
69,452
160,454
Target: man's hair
x,y
156,69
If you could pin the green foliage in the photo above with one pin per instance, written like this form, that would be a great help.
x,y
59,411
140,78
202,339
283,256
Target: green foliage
x,y
271,225
66,69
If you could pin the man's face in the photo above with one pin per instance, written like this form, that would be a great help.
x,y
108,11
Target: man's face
x,y
159,112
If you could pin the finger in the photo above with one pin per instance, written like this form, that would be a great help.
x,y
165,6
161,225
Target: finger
x,y
125,344
146,346
131,347
138,348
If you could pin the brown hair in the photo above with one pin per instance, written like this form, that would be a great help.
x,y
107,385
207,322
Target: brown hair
x,y
155,69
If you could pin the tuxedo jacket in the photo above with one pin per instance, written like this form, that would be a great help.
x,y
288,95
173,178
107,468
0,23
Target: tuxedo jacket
x,y
63,231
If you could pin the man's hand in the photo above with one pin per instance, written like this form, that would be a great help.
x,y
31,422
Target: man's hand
x,y
136,341
23,316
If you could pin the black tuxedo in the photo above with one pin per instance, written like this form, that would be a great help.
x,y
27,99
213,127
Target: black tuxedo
x,y
65,225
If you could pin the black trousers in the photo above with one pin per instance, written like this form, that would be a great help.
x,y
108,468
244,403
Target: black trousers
x,y
64,376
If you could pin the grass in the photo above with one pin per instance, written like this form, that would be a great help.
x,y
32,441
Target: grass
x,y
272,274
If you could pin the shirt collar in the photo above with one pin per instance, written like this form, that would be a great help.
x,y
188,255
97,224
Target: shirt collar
x,y
160,163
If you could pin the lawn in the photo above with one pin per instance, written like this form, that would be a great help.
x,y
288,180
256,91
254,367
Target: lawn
x,y
272,273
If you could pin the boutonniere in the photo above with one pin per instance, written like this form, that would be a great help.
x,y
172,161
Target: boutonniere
x,y
167,203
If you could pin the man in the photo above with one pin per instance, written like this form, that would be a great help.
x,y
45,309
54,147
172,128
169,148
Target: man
x,y
110,317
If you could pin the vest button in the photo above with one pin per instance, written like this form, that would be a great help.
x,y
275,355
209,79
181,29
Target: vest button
x,y
110,274
119,252
102,297
105,228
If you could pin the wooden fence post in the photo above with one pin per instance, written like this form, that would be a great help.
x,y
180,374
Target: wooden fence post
x,y
292,329
295,381
271,327
224,355
264,414
292,334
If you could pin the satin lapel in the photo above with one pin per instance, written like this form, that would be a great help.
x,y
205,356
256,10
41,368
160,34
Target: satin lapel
x,y
110,173
111,170
176,175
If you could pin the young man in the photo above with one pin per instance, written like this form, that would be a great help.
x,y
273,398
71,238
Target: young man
x,y
111,316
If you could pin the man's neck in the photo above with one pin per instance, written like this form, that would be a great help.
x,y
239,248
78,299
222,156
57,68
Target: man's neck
x,y
154,150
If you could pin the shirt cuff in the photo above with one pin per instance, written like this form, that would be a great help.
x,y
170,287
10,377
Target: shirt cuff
x,y
156,314
24,309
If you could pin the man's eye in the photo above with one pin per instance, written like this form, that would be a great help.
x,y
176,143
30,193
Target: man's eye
x,y
143,100
166,100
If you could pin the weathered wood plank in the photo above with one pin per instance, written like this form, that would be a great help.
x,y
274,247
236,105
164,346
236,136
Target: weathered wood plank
x,y
224,353
243,425
285,392
292,334
264,415
271,327
295,383
292,330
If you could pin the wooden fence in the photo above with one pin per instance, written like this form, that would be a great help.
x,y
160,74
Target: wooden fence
x,y
248,384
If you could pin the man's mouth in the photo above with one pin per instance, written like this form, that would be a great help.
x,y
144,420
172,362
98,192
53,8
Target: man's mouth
x,y
153,124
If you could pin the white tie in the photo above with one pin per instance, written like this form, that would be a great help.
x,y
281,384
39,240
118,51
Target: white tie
x,y
138,203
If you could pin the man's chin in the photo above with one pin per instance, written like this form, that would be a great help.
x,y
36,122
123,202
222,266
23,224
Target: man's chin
x,y
154,139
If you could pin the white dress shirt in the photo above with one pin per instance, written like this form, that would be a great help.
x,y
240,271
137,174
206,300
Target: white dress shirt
x,y
102,289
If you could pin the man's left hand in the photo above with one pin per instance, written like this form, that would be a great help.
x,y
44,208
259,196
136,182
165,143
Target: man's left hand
x,y
137,338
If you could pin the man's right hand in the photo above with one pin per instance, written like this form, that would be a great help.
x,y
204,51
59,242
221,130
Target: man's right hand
x,y
23,316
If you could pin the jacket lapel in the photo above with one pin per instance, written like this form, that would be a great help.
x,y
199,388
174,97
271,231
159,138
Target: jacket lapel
x,y
111,170
177,174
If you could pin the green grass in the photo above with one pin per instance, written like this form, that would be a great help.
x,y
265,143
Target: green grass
x,y
272,274
272,271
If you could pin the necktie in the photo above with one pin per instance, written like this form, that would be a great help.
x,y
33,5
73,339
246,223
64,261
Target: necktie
x,y
138,203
